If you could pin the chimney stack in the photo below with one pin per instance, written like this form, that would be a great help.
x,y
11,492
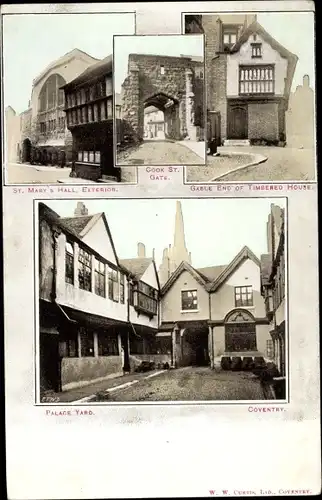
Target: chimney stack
x,y
80,210
153,254
306,81
141,250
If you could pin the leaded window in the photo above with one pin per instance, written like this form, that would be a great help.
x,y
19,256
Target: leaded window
x,y
189,300
84,270
243,296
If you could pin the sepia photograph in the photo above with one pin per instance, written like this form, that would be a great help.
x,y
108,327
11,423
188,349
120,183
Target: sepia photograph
x,y
58,107
159,83
260,76
160,315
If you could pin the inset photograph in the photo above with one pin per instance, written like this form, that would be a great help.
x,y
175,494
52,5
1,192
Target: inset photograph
x,y
160,315
260,75
159,83
59,110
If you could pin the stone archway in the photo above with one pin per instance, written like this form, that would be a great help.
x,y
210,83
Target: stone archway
x,y
26,151
168,107
167,83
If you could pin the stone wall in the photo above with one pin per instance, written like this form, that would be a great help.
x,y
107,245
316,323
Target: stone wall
x,y
146,80
79,371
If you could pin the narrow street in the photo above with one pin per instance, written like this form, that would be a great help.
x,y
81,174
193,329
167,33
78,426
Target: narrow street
x,y
18,173
159,153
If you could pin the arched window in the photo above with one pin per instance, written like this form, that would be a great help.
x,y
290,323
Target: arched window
x,y
51,95
240,331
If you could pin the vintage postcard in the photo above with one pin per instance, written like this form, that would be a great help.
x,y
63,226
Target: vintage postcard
x,y
160,249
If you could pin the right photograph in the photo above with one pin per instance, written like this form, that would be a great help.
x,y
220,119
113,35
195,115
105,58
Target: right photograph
x,y
260,78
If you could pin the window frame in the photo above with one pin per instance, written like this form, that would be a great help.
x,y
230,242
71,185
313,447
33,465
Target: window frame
x,y
82,266
194,298
69,277
269,82
256,46
113,284
100,278
248,302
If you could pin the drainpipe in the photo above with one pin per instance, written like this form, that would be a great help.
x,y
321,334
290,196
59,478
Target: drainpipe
x,y
212,360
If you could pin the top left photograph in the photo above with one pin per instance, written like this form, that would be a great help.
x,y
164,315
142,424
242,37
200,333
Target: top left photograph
x,y
57,77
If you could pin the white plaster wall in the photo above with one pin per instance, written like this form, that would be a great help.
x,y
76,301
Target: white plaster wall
x,y
280,313
150,277
219,340
12,135
171,302
69,70
142,319
76,298
223,300
98,239
244,56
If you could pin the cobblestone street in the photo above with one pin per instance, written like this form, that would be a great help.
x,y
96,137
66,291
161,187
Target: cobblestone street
x,y
192,384
159,153
26,174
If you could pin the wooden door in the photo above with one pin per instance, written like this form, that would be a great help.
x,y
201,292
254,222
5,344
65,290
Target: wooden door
x,y
237,122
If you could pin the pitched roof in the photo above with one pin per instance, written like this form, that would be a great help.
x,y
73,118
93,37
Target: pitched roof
x,y
102,67
244,254
184,266
211,273
255,27
136,266
77,224
57,62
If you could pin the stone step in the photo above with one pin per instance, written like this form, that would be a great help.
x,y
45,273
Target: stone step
x,y
237,142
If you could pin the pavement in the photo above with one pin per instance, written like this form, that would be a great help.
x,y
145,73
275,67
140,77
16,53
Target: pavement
x,y
161,152
87,392
18,173
282,164
193,384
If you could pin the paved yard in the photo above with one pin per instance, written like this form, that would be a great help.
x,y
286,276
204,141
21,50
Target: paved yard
x,y
283,164
26,174
159,153
216,165
193,384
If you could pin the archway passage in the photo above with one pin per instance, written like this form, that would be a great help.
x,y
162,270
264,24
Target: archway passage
x,y
163,106
195,346
153,123
26,151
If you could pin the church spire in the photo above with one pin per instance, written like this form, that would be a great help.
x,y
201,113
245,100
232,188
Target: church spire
x,y
179,242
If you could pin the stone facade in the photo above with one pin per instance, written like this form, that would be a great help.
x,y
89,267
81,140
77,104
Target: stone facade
x,y
168,83
44,137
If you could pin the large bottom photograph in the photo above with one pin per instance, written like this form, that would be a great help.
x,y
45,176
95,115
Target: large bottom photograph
x,y
161,300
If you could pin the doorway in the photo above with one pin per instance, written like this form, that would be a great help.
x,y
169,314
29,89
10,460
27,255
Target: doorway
x,y
50,363
237,122
26,151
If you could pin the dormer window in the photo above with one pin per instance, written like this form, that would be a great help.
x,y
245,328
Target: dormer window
x,y
229,37
256,50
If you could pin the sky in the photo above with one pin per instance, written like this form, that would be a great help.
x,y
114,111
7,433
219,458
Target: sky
x,y
227,225
32,41
175,45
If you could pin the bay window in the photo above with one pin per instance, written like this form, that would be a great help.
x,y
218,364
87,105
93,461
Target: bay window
x,y
69,262
113,285
99,278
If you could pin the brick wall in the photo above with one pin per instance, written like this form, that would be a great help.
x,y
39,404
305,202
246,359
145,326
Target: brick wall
x,y
259,128
217,100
